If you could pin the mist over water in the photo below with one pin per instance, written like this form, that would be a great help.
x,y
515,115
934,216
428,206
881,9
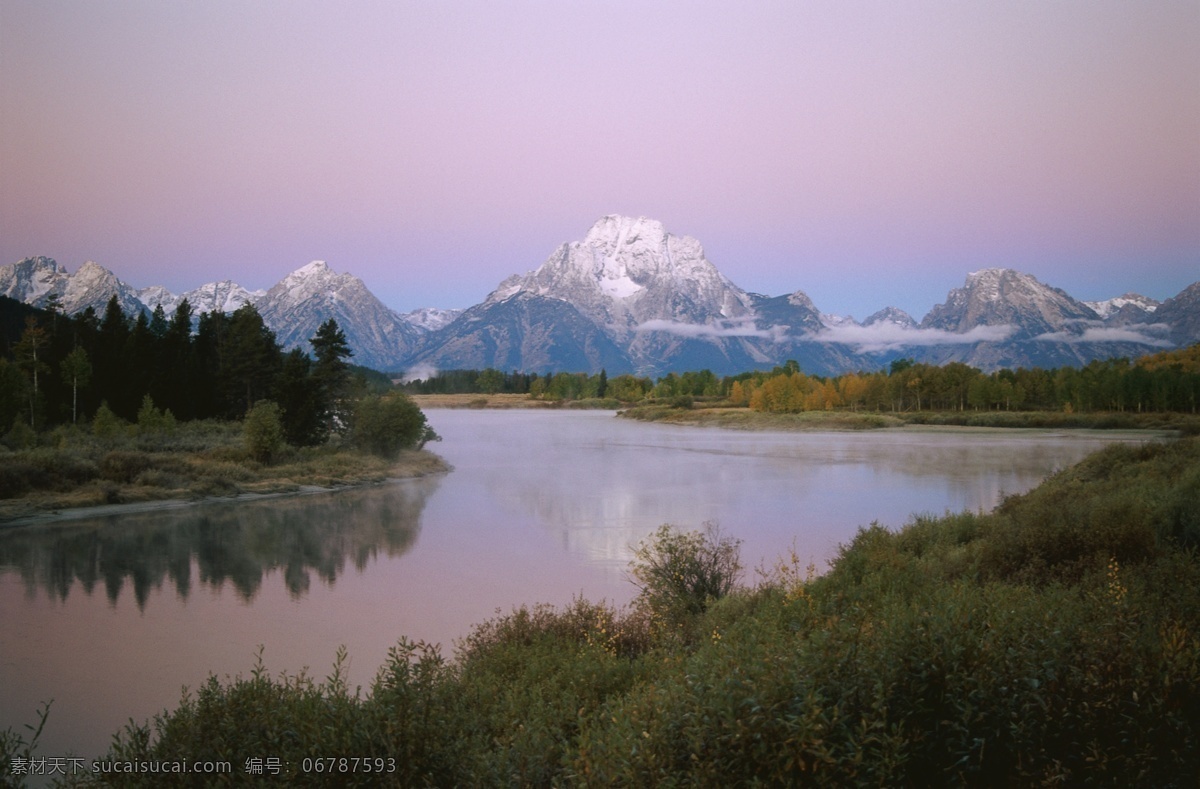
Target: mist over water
x,y
112,616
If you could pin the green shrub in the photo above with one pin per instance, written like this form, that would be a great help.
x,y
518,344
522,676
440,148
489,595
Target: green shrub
x,y
105,424
154,421
680,573
263,430
385,426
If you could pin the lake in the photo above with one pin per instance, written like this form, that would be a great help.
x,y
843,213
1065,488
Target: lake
x,y
112,616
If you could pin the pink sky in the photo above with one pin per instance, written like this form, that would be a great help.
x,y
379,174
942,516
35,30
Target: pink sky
x,y
870,154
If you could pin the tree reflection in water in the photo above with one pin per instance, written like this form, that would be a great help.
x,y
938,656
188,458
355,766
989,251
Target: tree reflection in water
x,y
236,541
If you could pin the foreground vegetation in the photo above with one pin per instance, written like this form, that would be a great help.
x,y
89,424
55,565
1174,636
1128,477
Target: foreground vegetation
x,y
1054,640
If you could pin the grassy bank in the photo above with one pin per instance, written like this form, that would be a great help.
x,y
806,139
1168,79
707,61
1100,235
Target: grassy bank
x,y
1054,640
74,468
747,419
508,401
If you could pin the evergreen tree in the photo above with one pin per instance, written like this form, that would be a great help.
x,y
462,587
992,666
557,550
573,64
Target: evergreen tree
x,y
207,396
299,402
250,359
178,363
109,367
141,365
331,374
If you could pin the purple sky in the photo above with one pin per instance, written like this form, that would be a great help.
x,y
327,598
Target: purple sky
x,y
870,154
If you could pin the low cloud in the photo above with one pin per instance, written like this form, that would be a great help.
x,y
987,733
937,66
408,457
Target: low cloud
x,y
422,372
1149,334
890,337
731,328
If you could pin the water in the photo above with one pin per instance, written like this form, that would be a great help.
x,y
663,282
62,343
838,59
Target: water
x,y
112,616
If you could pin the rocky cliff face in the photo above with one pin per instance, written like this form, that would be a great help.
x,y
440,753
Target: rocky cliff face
x,y
1181,315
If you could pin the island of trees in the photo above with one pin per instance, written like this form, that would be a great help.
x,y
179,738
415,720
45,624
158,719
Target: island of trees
x,y
114,408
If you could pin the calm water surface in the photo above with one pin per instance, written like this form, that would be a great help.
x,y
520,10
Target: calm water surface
x,y
112,616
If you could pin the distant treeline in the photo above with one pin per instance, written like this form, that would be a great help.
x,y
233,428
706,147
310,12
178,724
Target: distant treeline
x,y
57,369
1167,381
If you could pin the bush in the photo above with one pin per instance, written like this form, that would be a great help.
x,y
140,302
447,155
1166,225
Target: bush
x,y
680,573
21,436
105,424
154,421
263,430
385,426
124,467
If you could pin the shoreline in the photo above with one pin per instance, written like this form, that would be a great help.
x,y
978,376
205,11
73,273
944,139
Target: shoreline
x,y
14,516
1164,424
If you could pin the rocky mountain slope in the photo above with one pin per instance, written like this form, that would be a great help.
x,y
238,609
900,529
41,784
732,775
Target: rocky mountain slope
x,y
299,303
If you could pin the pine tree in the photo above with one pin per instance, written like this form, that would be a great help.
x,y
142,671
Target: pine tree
x,y
250,359
303,419
331,375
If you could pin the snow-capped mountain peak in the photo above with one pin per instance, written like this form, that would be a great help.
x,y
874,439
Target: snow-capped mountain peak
x,y
997,297
1132,301
430,318
299,303
892,315
832,321
33,280
627,271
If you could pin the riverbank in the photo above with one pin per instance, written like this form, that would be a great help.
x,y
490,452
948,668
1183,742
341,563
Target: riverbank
x,y
509,401
747,419
81,475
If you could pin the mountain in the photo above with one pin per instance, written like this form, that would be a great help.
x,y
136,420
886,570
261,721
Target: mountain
x,y
892,316
655,298
1129,308
1181,314
294,308
430,318
224,296
523,331
1032,324
36,280
632,297
299,303
1003,297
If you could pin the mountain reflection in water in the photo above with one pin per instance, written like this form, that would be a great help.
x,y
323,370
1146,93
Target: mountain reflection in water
x,y
222,542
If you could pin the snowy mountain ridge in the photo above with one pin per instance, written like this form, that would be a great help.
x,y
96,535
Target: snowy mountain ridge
x,y
631,297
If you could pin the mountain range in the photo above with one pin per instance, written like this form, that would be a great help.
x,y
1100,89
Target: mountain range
x,y
631,297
